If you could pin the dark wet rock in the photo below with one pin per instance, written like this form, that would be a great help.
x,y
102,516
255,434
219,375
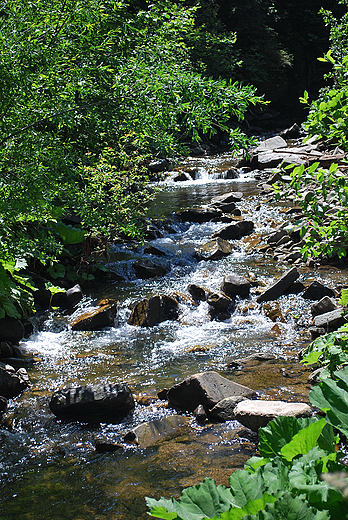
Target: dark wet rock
x,y
152,250
322,306
181,177
92,403
234,285
158,166
275,237
236,231
147,269
42,298
220,302
28,328
3,404
149,433
11,330
224,409
163,394
317,291
197,292
280,286
330,321
6,351
67,299
231,173
207,388
12,382
200,414
227,208
217,315
103,316
295,288
215,249
154,310
107,447
198,215
257,414
227,198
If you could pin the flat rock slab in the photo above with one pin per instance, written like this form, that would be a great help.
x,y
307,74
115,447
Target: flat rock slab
x,y
93,403
330,320
206,388
103,316
257,414
149,433
154,310
280,286
271,144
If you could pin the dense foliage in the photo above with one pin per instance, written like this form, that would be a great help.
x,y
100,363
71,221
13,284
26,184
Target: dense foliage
x,y
88,91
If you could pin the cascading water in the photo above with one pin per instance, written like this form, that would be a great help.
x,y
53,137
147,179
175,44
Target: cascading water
x,y
50,469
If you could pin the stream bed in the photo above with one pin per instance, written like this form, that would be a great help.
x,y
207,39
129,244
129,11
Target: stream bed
x,y
50,470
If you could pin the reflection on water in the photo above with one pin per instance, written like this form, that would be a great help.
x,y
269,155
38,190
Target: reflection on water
x,y
50,470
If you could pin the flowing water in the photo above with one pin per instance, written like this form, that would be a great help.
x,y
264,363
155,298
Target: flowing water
x,y
51,470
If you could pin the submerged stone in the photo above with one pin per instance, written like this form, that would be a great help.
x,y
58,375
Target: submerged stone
x,y
151,432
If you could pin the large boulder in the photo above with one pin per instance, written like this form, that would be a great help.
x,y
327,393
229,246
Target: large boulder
x,y
11,330
280,286
330,321
93,403
215,249
235,231
154,310
220,302
102,316
12,383
317,291
149,433
322,306
257,414
67,299
206,388
148,269
234,285
197,292
272,143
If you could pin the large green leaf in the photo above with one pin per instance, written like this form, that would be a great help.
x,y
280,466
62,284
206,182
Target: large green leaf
x,y
332,396
288,507
280,432
303,441
250,508
196,502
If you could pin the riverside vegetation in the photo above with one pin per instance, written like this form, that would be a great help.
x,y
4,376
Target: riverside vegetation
x,y
89,93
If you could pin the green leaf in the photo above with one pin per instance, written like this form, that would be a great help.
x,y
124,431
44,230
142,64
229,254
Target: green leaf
x,y
252,507
280,432
303,441
344,297
161,512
